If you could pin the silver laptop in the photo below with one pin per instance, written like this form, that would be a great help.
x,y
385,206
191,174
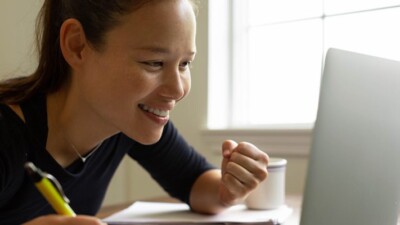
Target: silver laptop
x,y
354,168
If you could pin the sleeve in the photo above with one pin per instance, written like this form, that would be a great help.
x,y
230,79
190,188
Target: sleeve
x,y
12,158
172,163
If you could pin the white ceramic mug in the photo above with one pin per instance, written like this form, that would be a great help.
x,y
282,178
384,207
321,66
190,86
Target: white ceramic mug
x,y
270,194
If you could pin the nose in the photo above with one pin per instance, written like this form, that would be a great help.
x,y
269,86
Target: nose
x,y
175,84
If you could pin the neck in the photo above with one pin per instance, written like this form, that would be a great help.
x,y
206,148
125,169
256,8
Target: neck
x,y
70,122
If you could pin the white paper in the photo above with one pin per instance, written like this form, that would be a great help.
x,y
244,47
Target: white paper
x,y
157,212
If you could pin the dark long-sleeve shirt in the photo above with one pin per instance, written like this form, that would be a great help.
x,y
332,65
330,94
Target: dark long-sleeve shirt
x,y
173,163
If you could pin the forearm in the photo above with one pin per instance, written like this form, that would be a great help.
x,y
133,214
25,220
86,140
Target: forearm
x,y
204,196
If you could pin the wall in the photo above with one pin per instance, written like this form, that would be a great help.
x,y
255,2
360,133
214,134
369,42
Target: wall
x,y
17,21
130,181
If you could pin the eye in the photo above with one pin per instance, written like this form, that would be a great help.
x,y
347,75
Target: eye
x,y
185,65
154,65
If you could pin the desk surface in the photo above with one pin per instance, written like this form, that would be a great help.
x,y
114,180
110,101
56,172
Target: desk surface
x,y
293,201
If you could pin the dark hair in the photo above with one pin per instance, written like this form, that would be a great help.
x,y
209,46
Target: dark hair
x,y
96,16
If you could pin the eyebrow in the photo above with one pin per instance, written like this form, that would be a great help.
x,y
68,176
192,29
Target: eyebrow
x,y
160,50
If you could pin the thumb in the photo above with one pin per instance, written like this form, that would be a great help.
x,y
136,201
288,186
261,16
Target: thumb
x,y
227,149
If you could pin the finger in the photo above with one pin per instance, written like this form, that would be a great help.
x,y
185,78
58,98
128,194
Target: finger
x,y
88,220
234,187
247,179
252,159
81,219
66,220
256,169
227,147
252,151
228,193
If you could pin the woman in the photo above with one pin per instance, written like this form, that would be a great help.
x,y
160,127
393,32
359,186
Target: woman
x,y
109,73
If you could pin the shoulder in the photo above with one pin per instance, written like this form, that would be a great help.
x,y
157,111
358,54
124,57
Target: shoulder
x,y
11,122
12,133
12,154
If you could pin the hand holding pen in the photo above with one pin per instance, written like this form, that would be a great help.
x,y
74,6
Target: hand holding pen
x,y
52,191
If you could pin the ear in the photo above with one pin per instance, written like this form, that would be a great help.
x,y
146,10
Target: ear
x,y
73,42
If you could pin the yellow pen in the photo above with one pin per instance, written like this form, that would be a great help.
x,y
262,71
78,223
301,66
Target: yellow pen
x,y
50,189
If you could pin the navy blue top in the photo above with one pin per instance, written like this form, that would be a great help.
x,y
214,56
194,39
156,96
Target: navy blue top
x,y
171,162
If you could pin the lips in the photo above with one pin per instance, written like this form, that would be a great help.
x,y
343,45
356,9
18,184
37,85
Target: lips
x,y
155,111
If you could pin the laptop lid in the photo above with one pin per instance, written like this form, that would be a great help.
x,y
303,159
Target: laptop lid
x,y
354,167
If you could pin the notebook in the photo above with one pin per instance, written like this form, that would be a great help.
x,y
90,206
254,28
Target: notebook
x,y
153,213
354,169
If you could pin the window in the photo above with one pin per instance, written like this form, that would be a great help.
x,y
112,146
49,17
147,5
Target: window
x,y
266,57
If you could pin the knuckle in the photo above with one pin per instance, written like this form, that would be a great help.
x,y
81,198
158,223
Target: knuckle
x,y
263,157
263,175
252,184
243,145
243,191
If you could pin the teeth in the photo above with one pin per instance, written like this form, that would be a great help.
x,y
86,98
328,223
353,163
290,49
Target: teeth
x,y
158,112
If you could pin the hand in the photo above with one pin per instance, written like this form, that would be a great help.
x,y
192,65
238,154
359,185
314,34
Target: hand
x,y
65,220
243,167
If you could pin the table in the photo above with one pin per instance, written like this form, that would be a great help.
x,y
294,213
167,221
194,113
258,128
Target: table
x,y
293,201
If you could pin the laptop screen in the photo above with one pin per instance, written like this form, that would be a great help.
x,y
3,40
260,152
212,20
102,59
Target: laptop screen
x,y
354,168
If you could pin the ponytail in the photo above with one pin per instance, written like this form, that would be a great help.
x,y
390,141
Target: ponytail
x,y
52,69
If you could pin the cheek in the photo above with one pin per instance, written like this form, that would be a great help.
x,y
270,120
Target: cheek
x,y
119,78
110,86
187,83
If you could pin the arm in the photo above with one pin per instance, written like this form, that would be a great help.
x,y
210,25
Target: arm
x,y
243,167
204,197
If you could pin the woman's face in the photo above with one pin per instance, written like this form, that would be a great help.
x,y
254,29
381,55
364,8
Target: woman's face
x,y
135,81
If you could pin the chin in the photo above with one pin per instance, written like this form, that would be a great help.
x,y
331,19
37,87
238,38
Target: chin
x,y
148,141
148,138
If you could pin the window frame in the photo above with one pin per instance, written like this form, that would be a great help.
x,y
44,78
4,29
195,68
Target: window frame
x,y
293,140
289,139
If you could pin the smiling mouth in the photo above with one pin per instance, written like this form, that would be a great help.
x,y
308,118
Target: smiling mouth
x,y
157,112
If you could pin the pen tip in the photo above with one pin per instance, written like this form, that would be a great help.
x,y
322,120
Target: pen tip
x,y
30,166
33,171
